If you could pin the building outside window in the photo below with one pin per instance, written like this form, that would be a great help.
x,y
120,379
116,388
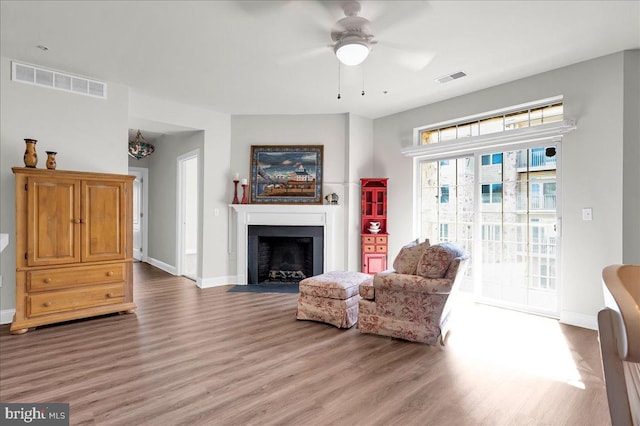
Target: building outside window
x,y
492,193
444,194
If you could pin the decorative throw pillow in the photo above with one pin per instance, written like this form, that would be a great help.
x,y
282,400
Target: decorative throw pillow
x,y
434,262
407,260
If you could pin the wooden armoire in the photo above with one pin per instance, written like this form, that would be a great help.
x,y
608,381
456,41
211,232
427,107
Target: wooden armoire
x,y
74,254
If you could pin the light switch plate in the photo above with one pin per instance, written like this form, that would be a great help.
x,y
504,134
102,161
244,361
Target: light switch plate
x,y
587,214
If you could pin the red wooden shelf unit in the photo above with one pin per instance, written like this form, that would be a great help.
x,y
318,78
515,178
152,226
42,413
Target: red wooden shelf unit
x,y
373,211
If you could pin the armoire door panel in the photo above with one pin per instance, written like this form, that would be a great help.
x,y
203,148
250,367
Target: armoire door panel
x,y
103,220
53,236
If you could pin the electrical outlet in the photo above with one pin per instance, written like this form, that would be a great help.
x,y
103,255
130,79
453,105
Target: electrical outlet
x,y
216,212
587,214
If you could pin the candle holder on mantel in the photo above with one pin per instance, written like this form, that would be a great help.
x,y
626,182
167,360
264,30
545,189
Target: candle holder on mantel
x,y
244,194
235,192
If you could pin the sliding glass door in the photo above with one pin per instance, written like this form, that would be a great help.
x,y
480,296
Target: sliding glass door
x,y
501,207
447,210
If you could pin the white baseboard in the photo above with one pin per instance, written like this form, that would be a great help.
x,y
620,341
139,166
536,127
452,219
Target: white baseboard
x,y
6,316
216,281
579,320
161,265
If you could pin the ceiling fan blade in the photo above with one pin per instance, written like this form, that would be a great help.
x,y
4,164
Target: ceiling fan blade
x,y
320,14
304,55
332,9
385,16
412,60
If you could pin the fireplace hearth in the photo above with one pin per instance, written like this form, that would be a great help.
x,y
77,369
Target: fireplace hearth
x,y
284,254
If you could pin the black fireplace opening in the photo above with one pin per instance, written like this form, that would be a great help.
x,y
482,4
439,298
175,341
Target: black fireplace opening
x,y
284,254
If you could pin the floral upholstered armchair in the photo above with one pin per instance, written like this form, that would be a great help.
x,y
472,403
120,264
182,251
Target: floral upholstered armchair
x,y
412,301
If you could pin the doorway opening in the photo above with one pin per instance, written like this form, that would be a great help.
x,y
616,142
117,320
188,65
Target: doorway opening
x,y
187,239
140,212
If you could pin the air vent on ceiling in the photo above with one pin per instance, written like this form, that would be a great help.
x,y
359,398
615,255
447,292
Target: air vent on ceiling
x,y
57,80
449,77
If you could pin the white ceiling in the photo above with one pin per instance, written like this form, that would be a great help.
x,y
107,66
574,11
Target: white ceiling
x,y
272,57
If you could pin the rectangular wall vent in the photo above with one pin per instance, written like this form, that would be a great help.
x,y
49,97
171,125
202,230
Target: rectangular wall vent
x,y
57,80
449,77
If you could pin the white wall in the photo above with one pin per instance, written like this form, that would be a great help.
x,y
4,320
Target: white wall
x,y
157,114
631,165
591,168
89,134
359,164
329,130
602,95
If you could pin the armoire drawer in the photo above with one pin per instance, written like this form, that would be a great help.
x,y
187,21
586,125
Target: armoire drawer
x,y
51,279
59,301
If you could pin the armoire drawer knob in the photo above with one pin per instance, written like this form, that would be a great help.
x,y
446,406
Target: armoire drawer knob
x,y
109,295
47,280
110,273
47,304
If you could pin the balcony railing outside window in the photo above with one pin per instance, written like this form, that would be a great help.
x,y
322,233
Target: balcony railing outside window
x,y
537,202
537,159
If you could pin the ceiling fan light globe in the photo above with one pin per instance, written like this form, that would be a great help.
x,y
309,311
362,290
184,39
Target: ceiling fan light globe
x,y
352,52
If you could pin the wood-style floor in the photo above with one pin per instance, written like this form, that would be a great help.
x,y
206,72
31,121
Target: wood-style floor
x,y
207,356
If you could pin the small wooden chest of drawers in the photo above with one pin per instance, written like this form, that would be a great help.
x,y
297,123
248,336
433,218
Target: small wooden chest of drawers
x,y
374,253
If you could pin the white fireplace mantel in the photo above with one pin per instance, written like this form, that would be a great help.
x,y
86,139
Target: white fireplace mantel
x,y
283,215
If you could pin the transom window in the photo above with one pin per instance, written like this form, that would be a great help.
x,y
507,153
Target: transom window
x,y
504,122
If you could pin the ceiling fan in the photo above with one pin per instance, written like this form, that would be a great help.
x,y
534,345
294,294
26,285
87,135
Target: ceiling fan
x,y
353,35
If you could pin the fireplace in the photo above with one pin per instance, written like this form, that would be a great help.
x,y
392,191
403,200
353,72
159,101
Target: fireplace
x,y
276,215
284,254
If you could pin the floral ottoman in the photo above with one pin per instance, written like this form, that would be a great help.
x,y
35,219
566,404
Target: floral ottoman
x,y
331,297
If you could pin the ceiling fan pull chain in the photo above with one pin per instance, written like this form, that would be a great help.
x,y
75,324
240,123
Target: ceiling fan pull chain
x,y
363,80
339,80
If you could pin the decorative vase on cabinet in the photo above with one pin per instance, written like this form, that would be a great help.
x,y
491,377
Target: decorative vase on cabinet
x,y
51,160
30,155
373,225
74,254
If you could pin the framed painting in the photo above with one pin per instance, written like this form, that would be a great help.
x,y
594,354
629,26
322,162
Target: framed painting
x,y
286,174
